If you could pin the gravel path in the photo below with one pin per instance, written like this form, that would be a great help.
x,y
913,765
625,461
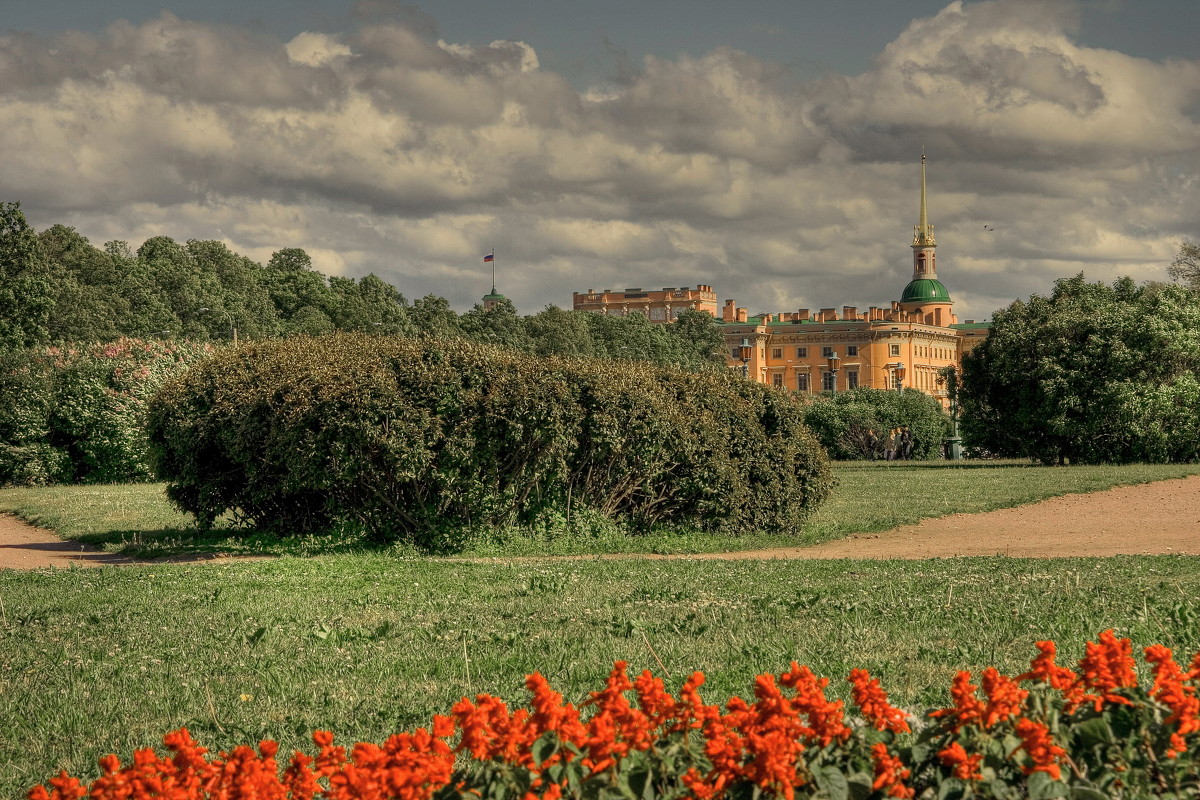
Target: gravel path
x,y
1148,519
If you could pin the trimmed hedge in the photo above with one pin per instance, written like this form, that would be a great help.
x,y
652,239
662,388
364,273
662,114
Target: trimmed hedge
x,y
427,441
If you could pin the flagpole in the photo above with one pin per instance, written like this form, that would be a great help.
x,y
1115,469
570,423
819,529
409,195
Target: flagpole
x,y
493,269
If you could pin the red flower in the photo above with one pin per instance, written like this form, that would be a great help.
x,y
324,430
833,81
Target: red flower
x,y
1170,690
889,772
966,767
1004,697
1042,751
1108,666
872,700
825,719
967,709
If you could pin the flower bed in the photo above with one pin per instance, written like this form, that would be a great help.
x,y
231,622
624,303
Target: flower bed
x,y
1050,732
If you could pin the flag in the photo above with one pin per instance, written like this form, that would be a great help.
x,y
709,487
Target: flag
x,y
489,257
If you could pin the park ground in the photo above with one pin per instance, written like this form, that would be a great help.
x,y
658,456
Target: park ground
x,y
1159,518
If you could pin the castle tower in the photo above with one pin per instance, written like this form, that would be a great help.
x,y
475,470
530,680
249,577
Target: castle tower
x,y
925,294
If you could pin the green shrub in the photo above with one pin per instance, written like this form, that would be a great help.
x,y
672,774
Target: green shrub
x,y
844,422
77,414
428,441
1092,374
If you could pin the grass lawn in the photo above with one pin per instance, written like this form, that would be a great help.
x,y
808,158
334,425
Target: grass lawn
x,y
366,643
100,660
136,519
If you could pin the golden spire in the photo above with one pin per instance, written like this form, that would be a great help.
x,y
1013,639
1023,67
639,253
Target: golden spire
x,y
923,237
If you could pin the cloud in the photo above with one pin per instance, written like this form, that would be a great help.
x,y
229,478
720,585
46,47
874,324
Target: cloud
x,y
387,149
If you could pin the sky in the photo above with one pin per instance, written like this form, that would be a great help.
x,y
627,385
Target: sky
x,y
769,148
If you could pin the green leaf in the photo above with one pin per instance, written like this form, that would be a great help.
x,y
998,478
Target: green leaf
x,y
950,789
543,748
1093,732
1043,787
831,781
1087,793
860,784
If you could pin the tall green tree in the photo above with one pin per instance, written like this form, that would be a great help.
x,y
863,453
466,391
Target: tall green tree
x,y
1090,374
184,286
701,338
86,307
555,332
147,312
432,317
1186,266
369,305
301,295
26,288
498,325
243,302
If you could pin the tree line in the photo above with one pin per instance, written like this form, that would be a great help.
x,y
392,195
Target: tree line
x,y
56,287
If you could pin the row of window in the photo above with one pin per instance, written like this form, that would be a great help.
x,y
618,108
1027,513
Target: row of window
x,y
826,351
828,381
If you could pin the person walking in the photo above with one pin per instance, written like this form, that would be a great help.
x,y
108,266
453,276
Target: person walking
x,y
872,444
906,442
889,445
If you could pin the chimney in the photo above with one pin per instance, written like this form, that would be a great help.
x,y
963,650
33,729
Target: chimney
x,y
802,314
728,313
741,315
849,312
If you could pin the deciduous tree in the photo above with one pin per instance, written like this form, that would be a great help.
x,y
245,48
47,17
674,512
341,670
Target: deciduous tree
x,y
26,290
1091,374
1186,266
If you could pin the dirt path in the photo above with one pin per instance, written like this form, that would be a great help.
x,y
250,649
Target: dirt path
x,y
1152,518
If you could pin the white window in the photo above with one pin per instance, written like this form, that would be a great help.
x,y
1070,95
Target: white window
x,y
851,350
777,380
802,382
776,352
828,381
893,349
802,352
826,352
852,379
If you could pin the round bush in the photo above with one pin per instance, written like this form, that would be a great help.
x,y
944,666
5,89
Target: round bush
x,y
843,422
428,441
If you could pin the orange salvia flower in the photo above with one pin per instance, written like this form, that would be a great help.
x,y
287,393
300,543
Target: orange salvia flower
x,y
966,767
1043,752
64,787
1107,666
967,709
825,718
872,700
1170,690
1004,697
889,772
1043,668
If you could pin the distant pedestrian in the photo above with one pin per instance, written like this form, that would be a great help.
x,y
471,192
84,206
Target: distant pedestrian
x,y
890,444
872,444
906,442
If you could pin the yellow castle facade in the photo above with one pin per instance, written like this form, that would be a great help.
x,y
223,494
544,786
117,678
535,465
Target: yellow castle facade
x,y
907,343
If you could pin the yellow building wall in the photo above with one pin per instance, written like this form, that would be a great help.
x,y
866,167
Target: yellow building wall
x,y
783,352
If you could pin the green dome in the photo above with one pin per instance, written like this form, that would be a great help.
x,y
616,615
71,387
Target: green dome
x,y
925,290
